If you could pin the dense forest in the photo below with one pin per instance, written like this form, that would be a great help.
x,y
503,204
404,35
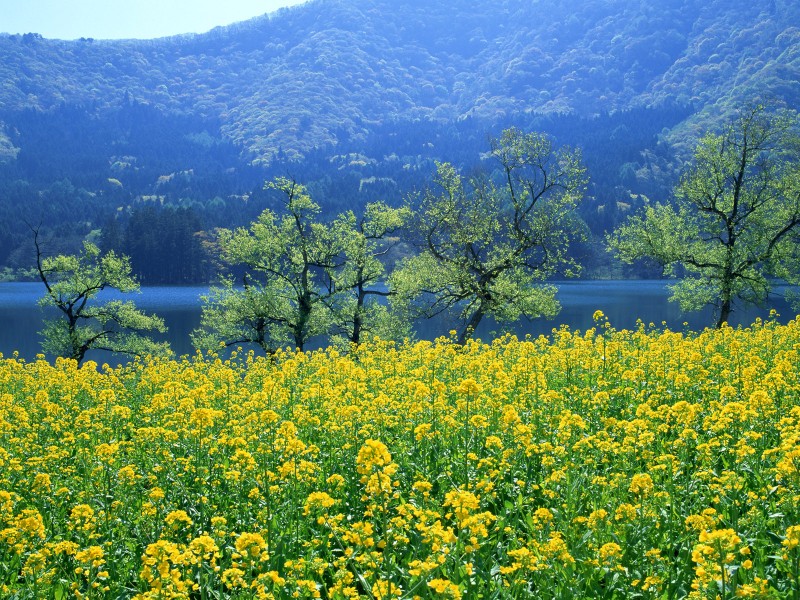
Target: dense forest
x,y
147,147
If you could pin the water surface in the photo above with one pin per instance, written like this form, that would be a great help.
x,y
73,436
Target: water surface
x,y
623,302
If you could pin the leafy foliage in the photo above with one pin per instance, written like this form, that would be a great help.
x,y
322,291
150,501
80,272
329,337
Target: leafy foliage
x,y
365,244
233,316
302,277
73,283
484,246
369,95
736,219
323,73
289,258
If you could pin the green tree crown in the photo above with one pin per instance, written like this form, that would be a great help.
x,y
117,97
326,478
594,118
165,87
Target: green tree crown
x,y
72,283
735,219
486,246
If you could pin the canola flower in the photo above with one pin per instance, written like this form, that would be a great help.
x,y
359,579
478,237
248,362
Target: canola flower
x,y
594,464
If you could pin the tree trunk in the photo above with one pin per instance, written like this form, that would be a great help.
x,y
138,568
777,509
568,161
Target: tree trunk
x,y
727,288
471,326
724,312
299,341
358,317
358,325
78,353
304,308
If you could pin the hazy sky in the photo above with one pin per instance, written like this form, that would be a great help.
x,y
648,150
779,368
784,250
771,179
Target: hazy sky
x,y
115,19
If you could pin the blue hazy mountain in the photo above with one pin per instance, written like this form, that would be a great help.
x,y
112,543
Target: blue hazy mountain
x,y
328,71
150,145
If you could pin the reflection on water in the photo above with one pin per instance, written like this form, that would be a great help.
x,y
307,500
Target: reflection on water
x,y
623,302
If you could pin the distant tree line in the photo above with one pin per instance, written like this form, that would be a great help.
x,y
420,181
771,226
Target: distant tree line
x,y
136,166
165,244
475,246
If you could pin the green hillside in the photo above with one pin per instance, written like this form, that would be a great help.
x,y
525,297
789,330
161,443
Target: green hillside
x,y
357,100
327,71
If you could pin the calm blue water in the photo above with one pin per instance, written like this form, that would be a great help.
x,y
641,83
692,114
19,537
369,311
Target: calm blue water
x,y
623,302
21,317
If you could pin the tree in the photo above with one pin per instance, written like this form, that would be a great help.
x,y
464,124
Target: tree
x,y
288,284
365,241
164,246
233,316
486,247
73,283
735,219
303,277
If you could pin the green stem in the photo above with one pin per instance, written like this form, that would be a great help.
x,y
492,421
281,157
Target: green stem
x,y
796,577
466,442
722,570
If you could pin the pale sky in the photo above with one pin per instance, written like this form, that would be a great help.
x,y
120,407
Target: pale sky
x,y
119,19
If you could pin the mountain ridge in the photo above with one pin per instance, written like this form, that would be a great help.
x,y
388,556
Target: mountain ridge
x,y
147,146
324,72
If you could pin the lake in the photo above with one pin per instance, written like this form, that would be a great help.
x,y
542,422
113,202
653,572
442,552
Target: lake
x,y
623,302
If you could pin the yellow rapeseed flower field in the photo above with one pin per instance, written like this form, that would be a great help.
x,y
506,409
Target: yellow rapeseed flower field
x,y
596,464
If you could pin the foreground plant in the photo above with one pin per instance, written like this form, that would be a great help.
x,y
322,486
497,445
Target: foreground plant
x,y
598,464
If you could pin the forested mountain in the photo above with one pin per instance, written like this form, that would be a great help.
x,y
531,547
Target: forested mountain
x,y
357,98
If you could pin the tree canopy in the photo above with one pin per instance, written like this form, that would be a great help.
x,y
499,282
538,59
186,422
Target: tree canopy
x,y
736,216
303,277
366,241
288,259
73,283
486,245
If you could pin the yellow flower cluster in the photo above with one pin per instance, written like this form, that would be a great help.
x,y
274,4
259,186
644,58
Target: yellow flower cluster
x,y
603,463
